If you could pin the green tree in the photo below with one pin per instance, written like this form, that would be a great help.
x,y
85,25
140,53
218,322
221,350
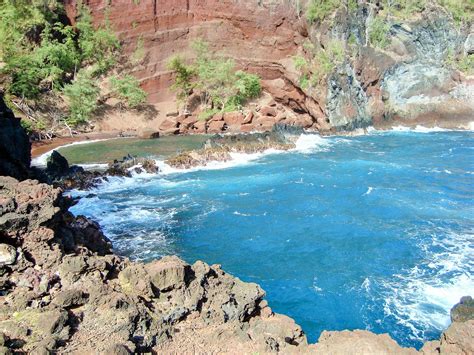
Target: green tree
x,y
82,95
128,89
98,45
25,73
184,76
223,86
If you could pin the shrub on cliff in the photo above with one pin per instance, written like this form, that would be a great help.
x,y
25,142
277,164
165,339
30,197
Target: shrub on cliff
x,y
319,63
462,11
318,10
379,31
82,95
128,89
184,76
223,87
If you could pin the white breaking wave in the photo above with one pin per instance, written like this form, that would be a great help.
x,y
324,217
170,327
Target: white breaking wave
x,y
309,143
306,143
425,294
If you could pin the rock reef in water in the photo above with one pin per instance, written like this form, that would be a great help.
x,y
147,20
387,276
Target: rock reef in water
x,y
59,173
219,147
63,290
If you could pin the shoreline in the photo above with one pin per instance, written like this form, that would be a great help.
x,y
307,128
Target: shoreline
x,y
39,148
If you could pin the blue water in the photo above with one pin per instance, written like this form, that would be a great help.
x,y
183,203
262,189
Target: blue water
x,y
373,232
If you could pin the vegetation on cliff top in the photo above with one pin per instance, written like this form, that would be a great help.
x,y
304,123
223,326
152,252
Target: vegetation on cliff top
x,y
44,54
221,86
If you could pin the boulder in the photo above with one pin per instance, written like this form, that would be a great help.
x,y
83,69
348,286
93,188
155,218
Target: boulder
x,y
7,254
216,126
70,298
168,127
57,165
52,322
458,338
199,127
217,117
167,273
233,118
134,280
247,128
268,111
248,118
148,134
264,123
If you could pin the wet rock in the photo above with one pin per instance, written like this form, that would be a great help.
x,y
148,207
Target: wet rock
x,y
463,311
7,254
123,167
57,165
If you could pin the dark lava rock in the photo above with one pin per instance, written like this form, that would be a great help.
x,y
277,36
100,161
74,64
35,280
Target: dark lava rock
x,y
15,147
57,165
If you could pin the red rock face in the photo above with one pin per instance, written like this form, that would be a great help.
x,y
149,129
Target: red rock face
x,y
257,34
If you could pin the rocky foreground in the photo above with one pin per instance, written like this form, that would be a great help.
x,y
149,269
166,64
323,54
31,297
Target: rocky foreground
x,y
63,290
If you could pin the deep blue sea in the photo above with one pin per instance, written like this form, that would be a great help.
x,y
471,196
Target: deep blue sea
x,y
373,232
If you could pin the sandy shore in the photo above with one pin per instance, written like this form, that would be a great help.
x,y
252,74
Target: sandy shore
x,y
41,147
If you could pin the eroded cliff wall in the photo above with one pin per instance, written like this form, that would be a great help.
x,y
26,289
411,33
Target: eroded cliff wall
x,y
407,81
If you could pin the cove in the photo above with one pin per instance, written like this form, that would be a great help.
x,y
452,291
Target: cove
x,y
372,232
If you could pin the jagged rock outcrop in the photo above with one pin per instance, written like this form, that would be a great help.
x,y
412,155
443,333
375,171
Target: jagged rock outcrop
x,y
61,289
59,173
15,156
